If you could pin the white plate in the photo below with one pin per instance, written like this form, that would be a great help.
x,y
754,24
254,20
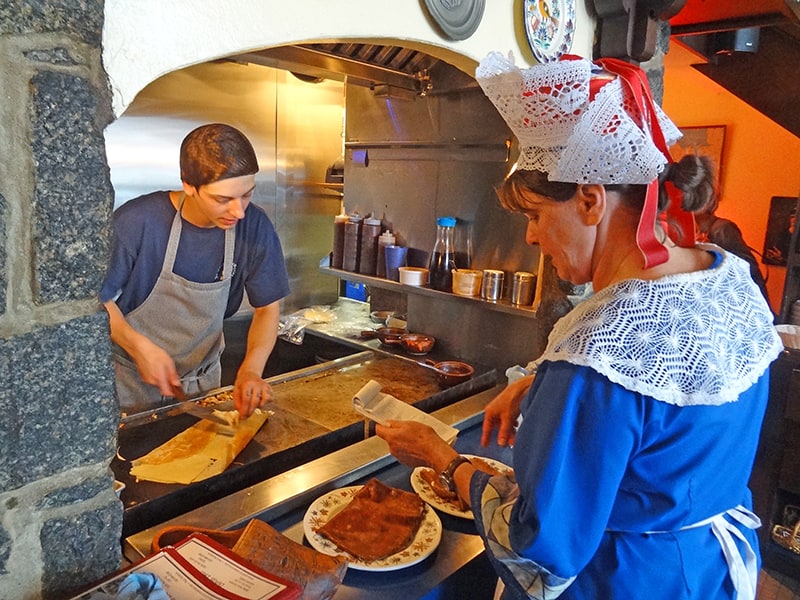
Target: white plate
x,y
325,507
549,25
426,492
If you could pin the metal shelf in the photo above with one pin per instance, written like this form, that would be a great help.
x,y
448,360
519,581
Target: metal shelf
x,y
428,150
503,305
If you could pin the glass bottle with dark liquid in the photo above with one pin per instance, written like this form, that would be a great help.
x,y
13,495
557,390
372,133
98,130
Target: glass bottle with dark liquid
x,y
443,257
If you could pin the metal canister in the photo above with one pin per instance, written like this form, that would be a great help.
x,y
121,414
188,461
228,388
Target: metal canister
x,y
522,287
492,285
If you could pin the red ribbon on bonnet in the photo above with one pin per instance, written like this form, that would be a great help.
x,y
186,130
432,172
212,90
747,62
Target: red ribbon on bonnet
x,y
653,251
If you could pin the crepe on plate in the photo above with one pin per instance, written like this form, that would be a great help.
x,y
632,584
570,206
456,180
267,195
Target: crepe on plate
x,y
379,521
432,479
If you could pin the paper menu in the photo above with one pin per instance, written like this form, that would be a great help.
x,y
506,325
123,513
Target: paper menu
x,y
380,407
198,568
229,572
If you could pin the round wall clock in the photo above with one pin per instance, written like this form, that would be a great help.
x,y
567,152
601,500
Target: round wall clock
x,y
549,25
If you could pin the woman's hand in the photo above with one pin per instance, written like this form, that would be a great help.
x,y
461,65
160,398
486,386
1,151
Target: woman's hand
x,y
250,392
503,411
416,445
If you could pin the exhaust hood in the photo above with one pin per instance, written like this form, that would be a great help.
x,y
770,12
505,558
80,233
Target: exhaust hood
x,y
387,70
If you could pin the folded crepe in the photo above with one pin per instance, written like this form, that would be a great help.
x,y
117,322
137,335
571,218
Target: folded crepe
x,y
203,450
379,521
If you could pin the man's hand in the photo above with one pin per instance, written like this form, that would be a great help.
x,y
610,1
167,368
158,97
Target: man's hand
x,y
250,392
154,364
157,368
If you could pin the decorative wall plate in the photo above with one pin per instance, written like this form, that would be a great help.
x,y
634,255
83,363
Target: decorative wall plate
x,y
549,25
458,19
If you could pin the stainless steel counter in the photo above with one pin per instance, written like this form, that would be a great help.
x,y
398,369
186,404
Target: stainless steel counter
x,y
282,501
312,418
352,317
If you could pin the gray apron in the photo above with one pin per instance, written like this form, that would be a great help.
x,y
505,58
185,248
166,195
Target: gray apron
x,y
185,319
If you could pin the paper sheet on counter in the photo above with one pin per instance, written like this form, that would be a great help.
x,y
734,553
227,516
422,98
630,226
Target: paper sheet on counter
x,y
380,407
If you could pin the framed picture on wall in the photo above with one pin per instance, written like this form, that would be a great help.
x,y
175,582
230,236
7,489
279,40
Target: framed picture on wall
x,y
780,226
706,140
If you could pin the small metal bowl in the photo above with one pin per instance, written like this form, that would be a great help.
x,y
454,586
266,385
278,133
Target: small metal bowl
x,y
380,316
417,343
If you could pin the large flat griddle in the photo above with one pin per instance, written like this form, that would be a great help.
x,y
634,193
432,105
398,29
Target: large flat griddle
x,y
313,416
327,398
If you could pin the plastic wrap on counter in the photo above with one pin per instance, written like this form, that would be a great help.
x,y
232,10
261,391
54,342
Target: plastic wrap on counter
x,y
292,327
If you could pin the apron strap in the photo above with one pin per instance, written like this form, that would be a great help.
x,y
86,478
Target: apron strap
x,y
228,264
175,238
743,571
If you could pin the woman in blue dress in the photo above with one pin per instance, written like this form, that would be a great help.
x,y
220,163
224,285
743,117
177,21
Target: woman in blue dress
x,y
639,428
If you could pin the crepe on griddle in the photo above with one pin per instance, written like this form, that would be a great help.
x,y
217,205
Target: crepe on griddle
x,y
379,521
203,450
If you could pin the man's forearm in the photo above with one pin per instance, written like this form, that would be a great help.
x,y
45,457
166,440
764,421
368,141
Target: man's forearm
x,y
261,338
122,334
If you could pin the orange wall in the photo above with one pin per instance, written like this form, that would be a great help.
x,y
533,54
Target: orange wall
x,y
760,158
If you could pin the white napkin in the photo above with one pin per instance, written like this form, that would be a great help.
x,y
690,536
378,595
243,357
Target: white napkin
x,y
370,402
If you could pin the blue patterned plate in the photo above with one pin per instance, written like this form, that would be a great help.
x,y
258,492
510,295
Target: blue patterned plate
x,y
549,25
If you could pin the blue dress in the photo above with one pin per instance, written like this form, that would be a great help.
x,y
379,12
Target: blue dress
x,y
636,445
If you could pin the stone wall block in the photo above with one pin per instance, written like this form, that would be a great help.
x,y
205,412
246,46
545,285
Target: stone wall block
x,y
3,257
5,550
71,218
81,18
79,548
58,407
58,534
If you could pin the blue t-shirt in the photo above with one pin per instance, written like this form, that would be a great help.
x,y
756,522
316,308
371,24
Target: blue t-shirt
x,y
141,231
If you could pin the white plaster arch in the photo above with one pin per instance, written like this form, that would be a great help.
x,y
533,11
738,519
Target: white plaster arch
x,y
145,39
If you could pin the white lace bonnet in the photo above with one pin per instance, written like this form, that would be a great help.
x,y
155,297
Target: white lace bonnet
x,y
584,122
566,134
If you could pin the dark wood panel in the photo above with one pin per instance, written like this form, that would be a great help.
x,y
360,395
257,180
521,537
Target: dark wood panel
x,y
767,79
710,11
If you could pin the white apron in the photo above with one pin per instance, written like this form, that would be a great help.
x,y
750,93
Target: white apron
x,y
184,318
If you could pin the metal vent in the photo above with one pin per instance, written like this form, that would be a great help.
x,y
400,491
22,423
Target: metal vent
x,y
376,66
395,58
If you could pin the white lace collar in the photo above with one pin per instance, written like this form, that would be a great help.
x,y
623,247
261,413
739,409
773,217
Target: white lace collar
x,y
689,339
